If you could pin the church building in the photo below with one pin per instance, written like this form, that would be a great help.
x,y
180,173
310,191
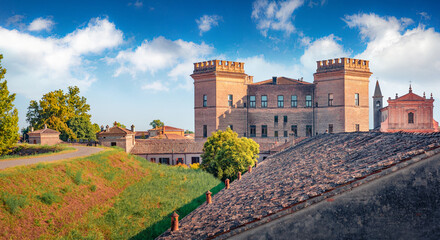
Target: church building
x,y
279,108
409,113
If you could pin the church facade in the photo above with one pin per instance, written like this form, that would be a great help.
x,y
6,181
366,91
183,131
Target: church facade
x,y
408,113
225,96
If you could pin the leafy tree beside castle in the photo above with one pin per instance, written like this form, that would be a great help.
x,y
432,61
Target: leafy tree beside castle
x,y
8,115
225,154
156,123
64,112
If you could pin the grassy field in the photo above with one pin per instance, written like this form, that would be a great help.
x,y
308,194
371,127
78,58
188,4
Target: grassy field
x,y
30,150
110,195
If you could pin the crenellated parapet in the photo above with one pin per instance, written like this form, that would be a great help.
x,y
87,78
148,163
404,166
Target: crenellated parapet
x,y
218,65
342,63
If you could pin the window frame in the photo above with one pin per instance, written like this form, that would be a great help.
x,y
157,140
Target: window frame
x,y
293,101
263,131
205,131
412,119
252,103
264,103
294,129
253,128
356,99
330,99
308,101
230,100
280,101
205,100
275,119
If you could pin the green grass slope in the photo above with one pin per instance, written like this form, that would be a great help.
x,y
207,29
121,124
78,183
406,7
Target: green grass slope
x,y
110,195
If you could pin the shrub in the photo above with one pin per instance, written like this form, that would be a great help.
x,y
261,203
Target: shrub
x,y
48,198
12,202
195,166
77,179
93,188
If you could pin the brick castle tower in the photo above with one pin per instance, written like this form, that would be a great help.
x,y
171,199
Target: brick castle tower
x,y
341,95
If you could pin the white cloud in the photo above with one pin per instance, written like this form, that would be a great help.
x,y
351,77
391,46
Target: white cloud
x,y
15,20
40,24
160,54
321,49
137,4
206,22
399,54
275,15
156,86
36,64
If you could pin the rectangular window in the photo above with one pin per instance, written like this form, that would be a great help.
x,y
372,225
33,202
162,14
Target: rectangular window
x,y
285,119
113,144
153,160
276,134
253,131
330,128
294,101
205,100
330,99
195,160
231,127
280,101
356,99
179,161
308,130
356,126
294,129
411,117
308,100
264,101
252,101
285,133
275,119
164,161
230,99
263,130
205,131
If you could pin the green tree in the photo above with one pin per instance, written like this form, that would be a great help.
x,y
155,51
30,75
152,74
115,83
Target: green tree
x,y
225,154
156,123
119,125
8,115
56,109
188,132
82,128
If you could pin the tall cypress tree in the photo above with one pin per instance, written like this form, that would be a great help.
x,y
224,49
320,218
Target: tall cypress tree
x,y
8,115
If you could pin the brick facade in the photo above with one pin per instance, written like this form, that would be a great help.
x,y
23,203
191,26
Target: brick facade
x,y
217,82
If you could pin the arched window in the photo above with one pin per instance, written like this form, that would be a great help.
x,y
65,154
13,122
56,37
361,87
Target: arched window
x,y
410,117
377,103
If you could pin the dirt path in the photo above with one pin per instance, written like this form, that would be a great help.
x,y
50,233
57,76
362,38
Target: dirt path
x,y
82,152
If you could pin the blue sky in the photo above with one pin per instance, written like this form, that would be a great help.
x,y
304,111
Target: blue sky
x,y
132,59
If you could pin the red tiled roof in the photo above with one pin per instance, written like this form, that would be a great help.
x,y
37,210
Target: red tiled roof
x,y
316,166
168,128
169,136
282,81
140,133
116,130
159,146
43,131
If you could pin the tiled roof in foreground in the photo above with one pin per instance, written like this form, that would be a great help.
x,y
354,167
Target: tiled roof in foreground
x,y
313,168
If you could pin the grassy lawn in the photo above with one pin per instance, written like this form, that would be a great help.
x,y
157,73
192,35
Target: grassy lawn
x,y
21,151
110,195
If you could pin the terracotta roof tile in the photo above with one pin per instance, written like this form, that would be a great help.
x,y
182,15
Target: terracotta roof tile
x,y
149,146
116,130
43,131
301,173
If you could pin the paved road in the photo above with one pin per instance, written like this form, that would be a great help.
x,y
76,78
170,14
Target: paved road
x,y
82,152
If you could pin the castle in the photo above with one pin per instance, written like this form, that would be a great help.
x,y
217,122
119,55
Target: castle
x,y
336,101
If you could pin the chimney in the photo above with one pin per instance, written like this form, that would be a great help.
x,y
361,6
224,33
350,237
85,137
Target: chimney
x,y
45,126
132,128
208,197
274,80
227,183
239,175
174,222
250,169
106,128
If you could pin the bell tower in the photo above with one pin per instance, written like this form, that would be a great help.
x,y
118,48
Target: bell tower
x,y
377,105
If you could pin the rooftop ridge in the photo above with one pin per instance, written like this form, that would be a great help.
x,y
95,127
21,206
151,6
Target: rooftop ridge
x,y
342,63
218,65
